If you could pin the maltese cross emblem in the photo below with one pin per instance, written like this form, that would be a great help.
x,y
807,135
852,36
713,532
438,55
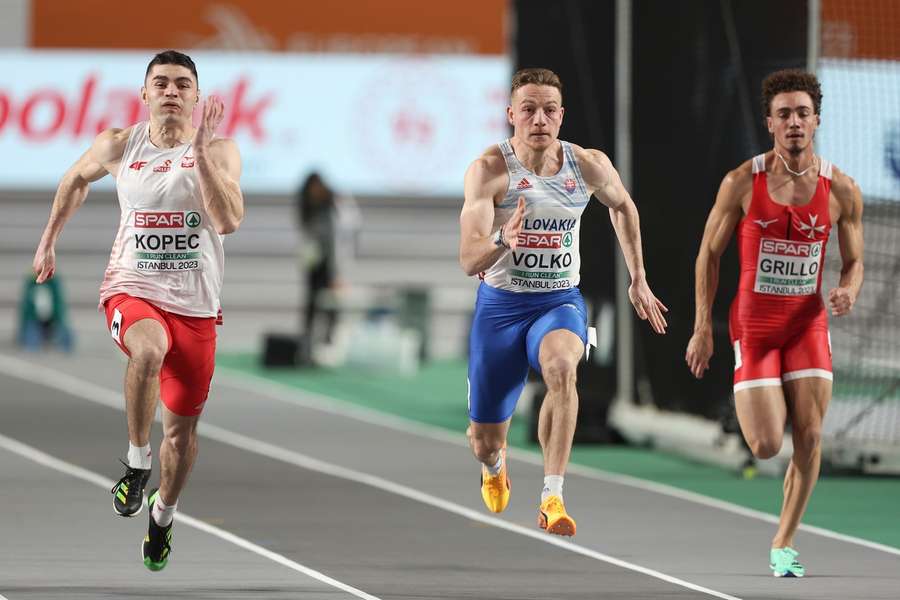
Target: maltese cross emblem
x,y
811,229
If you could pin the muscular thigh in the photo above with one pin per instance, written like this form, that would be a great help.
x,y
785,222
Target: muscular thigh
x,y
808,355
498,366
807,400
761,412
560,332
188,368
135,324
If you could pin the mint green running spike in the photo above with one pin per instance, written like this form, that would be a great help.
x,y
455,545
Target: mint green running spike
x,y
783,562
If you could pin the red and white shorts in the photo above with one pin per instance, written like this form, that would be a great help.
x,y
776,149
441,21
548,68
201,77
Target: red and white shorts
x,y
807,354
191,357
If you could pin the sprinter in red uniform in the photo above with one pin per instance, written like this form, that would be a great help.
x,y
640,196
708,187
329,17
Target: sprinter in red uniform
x,y
783,204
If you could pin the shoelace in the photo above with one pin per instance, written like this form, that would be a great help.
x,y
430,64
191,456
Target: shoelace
x,y
496,483
555,505
793,564
160,540
131,477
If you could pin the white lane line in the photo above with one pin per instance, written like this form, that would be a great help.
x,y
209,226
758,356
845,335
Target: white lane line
x,y
95,393
67,468
328,404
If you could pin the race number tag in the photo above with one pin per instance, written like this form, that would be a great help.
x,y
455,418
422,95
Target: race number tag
x,y
787,268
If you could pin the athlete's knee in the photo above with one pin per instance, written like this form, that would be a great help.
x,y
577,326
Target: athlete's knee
x,y
484,447
765,447
148,359
559,373
181,440
806,439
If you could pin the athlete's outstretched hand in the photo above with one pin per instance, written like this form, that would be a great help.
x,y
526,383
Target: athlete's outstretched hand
x,y
44,263
647,306
699,351
213,112
841,301
513,227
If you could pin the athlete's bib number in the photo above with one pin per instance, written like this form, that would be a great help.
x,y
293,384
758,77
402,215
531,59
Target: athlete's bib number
x,y
788,268
167,251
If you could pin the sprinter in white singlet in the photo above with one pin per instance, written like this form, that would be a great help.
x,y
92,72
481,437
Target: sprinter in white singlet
x,y
520,233
179,195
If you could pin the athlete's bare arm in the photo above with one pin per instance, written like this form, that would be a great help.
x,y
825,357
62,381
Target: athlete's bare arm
x,y
734,191
850,238
604,182
485,184
218,170
101,158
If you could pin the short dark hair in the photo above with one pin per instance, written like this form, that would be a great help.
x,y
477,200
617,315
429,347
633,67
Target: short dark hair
x,y
790,80
536,76
174,57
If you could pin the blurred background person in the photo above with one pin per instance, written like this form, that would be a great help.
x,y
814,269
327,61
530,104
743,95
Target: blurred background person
x,y
328,224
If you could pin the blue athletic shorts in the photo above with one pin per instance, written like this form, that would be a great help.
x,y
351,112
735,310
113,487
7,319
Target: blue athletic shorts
x,y
506,335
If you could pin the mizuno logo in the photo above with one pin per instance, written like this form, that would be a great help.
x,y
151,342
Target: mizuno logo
x,y
765,224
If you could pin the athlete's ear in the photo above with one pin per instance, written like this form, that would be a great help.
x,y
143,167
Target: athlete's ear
x,y
144,98
769,125
509,115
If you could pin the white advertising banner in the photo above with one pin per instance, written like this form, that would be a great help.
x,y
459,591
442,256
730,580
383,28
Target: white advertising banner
x,y
860,129
378,125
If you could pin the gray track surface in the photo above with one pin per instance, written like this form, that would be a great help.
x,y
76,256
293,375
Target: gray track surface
x,y
61,539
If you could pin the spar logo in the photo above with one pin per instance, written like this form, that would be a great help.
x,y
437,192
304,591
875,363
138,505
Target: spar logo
x,y
545,240
192,219
162,220
786,248
540,240
41,114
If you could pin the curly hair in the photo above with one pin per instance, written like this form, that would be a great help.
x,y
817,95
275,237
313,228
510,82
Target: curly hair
x,y
536,76
790,80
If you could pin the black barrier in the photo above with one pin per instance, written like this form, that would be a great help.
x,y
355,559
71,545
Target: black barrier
x,y
697,67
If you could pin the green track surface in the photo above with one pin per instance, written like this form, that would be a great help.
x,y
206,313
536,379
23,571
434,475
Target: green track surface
x,y
866,507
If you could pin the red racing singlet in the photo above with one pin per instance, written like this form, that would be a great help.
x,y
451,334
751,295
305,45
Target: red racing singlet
x,y
781,251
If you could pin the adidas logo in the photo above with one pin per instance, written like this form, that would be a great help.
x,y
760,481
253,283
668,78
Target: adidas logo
x,y
523,185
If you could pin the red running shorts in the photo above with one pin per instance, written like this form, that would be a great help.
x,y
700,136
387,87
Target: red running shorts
x,y
191,357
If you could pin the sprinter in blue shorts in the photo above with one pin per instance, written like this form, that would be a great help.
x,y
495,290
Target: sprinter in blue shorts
x,y
520,227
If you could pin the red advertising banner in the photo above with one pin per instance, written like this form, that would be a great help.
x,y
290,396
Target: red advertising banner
x,y
397,26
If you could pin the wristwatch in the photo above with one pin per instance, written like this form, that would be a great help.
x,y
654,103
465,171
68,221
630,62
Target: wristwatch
x,y
499,240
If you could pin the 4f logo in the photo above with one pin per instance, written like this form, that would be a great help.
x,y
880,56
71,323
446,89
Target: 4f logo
x,y
192,219
138,165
